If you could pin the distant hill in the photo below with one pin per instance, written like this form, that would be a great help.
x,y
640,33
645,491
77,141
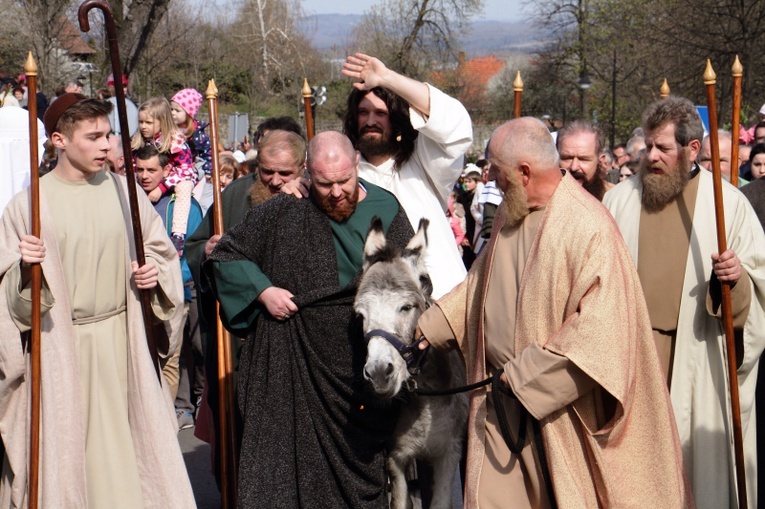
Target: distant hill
x,y
328,31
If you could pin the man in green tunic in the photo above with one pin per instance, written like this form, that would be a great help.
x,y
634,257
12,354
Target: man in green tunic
x,y
286,278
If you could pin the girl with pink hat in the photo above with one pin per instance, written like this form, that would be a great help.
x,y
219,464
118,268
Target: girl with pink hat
x,y
184,106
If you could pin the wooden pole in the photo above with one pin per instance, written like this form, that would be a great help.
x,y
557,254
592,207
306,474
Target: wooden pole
x,y
738,73
727,316
226,417
664,90
518,92
114,54
308,109
30,69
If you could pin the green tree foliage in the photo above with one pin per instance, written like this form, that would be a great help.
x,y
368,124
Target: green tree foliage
x,y
632,46
15,41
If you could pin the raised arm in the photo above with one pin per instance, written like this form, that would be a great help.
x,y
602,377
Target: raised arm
x,y
373,73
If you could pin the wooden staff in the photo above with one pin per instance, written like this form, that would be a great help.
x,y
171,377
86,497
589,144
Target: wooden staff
x,y
518,92
727,315
30,68
738,72
111,32
226,416
664,90
307,99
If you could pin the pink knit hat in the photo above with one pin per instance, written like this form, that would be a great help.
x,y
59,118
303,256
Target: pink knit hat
x,y
188,99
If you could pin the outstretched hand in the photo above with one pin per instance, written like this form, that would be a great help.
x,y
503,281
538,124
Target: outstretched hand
x,y
370,70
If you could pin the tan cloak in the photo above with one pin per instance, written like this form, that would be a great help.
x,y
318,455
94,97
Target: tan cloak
x,y
580,298
152,422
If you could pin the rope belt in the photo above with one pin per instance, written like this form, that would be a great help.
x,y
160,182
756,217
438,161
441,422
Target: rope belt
x,y
98,318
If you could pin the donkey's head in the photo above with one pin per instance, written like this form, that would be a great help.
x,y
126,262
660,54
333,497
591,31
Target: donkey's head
x,y
394,291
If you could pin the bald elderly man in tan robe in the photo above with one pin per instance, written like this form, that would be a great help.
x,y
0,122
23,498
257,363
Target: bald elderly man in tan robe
x,y
556,304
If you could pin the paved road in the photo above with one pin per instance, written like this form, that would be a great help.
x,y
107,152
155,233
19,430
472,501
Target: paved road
x,y
196,454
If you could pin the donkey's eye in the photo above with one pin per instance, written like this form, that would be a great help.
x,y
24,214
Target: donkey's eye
x,y
406,308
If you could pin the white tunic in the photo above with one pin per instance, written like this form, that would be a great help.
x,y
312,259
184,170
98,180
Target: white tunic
x,y
423,183
14,151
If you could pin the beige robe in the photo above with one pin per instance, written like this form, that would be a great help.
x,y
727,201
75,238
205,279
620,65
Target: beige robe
x,y
579,298
700,389
104,413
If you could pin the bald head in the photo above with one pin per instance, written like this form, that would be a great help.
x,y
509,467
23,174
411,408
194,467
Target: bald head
x,y
525,146
329,147
333,164
524,139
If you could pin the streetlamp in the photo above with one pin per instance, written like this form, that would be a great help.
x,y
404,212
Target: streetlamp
x,y
584,83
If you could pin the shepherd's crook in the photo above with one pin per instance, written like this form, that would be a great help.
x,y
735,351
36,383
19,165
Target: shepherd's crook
x,y
30,68
111,32
727,315
226,416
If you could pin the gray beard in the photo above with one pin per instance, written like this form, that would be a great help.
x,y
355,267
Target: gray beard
x,y
515,202
660,190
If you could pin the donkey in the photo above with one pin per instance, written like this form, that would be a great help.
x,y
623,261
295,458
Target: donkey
x,y
393,292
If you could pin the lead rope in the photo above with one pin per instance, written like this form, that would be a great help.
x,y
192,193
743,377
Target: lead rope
x,y
498,388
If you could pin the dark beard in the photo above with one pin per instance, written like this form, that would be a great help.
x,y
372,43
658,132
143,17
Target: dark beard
x,y
373,146
338,212
661,189
596,186
515,202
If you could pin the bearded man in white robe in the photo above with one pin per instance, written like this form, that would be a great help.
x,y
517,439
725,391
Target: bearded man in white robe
x,y
667,218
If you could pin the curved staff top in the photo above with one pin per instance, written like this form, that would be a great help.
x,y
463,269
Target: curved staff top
x,y
111,32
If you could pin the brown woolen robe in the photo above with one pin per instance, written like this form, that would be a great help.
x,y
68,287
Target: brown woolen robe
x,y
579,297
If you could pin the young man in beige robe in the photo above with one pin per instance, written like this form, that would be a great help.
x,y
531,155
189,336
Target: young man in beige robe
x,y
108,434
556,304
667,218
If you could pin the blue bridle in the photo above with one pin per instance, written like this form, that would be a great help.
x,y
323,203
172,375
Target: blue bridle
x,y
411,354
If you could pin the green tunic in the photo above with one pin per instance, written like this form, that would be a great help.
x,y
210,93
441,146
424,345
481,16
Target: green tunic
x,y
241,282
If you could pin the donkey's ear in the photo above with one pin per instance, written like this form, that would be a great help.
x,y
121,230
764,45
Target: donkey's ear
x,y
415,249
375,241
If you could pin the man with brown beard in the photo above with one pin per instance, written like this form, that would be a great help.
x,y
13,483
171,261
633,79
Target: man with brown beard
x,y
554,308
281,159
580,146
667,218
285,278
412,138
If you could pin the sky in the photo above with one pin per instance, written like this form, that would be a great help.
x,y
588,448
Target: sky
x,y
500,10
